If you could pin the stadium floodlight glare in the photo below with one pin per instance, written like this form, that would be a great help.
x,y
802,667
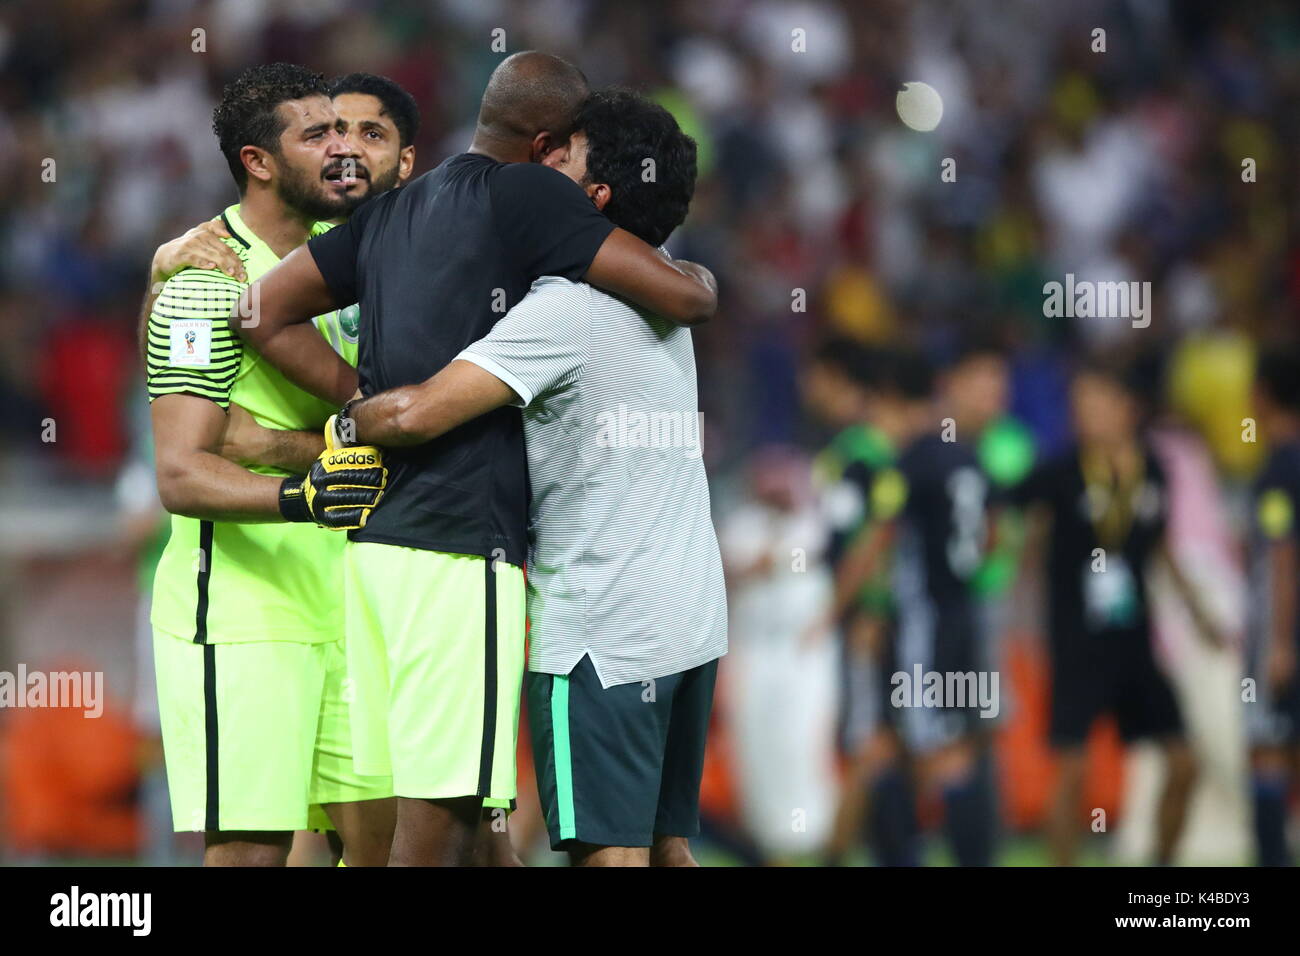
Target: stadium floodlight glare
x,y
920,106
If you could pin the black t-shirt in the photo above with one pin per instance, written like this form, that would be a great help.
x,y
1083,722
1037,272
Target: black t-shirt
x,y
434,266
1094,596
943,529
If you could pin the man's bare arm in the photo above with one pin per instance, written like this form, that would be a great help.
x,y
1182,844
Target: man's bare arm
x,y
683,292
1204,624
863,559
415,414
1280,659
199,248
195,481
245,442
274,316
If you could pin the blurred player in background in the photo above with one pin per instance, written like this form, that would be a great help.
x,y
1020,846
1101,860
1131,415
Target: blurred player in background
x,y
929,530
934,524
1106,503
974,391
839,386
1273,716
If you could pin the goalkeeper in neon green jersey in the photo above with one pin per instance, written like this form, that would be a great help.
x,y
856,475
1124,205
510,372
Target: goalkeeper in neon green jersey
x,y
247,612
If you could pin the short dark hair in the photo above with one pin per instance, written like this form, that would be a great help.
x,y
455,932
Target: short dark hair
x,y
247,114
395,101
978,344
851,358
1139,378
905,373
624,129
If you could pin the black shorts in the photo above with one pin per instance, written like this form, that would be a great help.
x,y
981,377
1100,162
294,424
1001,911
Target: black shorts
x,y
1273,717
619,766
1110,674
943,641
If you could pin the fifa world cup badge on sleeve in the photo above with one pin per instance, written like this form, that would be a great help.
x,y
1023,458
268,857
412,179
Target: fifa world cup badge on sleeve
x,y
191,342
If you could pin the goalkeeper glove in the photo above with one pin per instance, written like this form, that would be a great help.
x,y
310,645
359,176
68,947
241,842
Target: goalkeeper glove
x,y
341,489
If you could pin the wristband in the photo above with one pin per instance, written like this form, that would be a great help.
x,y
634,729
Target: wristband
x,y
340,429
293,503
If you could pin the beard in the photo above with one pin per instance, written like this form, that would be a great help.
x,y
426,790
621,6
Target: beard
x,y
307,195
383,183
376,185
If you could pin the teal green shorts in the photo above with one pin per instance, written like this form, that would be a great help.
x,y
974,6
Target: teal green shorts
x,y
621,765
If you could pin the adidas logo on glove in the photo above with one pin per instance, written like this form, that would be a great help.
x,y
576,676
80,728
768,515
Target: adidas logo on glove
x,y
351,456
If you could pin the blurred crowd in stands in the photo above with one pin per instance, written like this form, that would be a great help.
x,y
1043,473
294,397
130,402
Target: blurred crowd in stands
x,y
1119,165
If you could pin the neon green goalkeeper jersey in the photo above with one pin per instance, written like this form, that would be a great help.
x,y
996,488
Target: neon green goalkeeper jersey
x,y
220,581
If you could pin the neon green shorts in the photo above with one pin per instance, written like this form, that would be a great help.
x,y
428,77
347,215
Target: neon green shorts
x,y
435,647
255,734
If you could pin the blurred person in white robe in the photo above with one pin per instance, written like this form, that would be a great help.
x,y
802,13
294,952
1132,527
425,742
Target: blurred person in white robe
x,y
779,678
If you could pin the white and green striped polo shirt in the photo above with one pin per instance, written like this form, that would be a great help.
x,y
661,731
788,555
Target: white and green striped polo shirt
x,y
623,560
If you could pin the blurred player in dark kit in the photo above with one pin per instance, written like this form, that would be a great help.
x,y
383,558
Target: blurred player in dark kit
x,y
929,530
837,385
1273,715
1107,503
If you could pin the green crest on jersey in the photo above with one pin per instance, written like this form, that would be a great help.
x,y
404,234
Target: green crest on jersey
x,y
350,321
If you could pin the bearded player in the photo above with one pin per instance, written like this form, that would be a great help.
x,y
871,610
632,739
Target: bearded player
x,y
246,636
